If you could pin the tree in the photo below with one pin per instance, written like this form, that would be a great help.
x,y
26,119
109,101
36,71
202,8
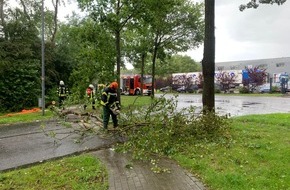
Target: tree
x,y
175,25
137,45
225,79
114,15
254,4
89,49
177,64
208,62
19,59
256,77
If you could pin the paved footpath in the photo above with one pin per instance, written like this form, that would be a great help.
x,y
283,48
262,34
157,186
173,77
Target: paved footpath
x,y
23,145
125,174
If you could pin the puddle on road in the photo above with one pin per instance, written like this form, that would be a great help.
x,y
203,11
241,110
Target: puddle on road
x,y
223,101
193,101
199,101
248,104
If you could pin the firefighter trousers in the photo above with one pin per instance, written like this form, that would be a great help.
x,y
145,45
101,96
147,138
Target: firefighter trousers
x,y
107,112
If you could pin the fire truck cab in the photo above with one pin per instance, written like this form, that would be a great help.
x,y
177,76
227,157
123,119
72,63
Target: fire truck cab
x,y
131,84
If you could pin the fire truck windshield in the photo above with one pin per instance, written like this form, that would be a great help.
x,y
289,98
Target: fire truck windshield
x,y
147,80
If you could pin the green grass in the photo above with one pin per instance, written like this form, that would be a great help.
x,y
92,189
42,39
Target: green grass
x,y
127,101
77,172
257,158
28,117
37,116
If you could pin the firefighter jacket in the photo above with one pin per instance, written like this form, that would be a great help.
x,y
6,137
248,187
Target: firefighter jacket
x,y
109,97
62,91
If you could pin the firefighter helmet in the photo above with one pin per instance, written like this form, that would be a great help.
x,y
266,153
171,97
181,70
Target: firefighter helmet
x,y
114,85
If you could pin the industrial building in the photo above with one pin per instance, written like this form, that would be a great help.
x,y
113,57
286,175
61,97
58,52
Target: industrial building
x,y
273,66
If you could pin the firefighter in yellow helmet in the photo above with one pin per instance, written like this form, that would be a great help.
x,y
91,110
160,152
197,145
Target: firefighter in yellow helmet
x,y
110,103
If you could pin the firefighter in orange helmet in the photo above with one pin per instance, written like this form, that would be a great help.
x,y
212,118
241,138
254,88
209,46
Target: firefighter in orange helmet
x,y
110,103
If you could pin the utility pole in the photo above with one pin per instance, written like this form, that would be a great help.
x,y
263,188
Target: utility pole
x,y
42,60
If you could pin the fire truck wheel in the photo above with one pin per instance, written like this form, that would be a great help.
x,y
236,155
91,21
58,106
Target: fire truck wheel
x,y
137,92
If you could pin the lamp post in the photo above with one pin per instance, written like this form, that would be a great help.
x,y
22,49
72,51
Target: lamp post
x,y
42,59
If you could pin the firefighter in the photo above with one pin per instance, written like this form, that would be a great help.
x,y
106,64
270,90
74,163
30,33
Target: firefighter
x,y
110,103
90,93
62,92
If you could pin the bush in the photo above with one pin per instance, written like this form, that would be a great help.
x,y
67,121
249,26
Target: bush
x,y
275,89
217,90
244,90
20,86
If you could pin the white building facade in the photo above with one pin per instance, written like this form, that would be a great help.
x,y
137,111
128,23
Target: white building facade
x,y
274,66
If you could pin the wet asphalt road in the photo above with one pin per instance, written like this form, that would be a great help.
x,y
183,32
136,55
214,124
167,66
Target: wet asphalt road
x,y
24,144
238,105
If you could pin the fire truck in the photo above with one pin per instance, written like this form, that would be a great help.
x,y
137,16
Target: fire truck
x,y
131,84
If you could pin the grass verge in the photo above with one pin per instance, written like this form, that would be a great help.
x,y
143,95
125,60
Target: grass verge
x,y
27,117
135,100
77,172
258,156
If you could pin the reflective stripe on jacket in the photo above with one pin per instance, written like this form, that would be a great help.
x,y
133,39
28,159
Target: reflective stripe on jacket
x,y
62,91
109,96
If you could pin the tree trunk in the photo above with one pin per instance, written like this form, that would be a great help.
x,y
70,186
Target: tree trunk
x,y
208,62
2,12
56,4
154,65
25,9
118,51
142,71
2,17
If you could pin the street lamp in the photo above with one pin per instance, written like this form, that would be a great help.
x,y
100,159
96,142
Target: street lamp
x,y
42,59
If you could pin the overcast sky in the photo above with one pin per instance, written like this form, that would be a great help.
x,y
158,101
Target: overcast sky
x,y
252,34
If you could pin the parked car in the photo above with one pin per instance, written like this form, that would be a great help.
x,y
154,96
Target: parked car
x,y
165,89
181,89
190,89
265,88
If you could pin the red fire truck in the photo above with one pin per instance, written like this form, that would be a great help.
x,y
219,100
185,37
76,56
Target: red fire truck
x,y
131,84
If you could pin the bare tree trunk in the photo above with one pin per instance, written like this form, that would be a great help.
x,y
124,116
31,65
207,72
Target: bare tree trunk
x,y
2,17
142,71
2,12
25,9
55,5
118,50
156,44
208,62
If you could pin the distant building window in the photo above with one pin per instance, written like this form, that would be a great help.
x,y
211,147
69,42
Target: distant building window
x,y
221,68
263,66
280,64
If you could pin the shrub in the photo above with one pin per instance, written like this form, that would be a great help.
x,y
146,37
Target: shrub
x,y
244,90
